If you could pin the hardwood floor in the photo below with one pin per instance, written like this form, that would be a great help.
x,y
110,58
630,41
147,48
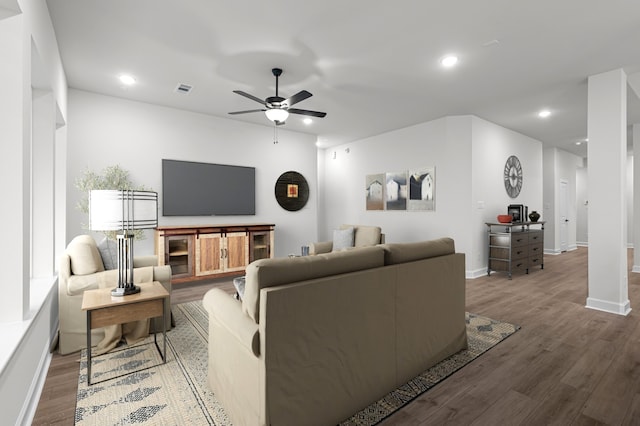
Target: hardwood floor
x,y
567,365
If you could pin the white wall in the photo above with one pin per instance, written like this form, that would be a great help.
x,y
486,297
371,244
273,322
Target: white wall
x,y
31,69
106,131
468,153
422,145
582,207
492,145
560,165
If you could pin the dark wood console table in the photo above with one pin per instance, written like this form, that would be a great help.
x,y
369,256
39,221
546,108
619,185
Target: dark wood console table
x,y
515,246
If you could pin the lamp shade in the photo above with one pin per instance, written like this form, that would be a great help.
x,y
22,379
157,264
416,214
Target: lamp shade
x,y
114,210
277,114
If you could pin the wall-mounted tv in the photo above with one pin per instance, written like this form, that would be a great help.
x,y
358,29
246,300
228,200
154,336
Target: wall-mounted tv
x,y
204,189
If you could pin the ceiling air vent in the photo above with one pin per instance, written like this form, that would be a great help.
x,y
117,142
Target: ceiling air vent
x,y
184,88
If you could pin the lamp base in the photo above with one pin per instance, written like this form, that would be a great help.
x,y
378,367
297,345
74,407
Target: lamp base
x,y
125,291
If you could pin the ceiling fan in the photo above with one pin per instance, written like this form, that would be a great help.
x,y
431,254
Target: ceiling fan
x,y
277,108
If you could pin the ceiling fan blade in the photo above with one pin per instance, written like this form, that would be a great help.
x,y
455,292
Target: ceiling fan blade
x,y
244,112
300,96
246,95
307,112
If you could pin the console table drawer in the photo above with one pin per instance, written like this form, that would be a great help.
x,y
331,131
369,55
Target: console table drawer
x,y
519,265
519,239
535,260
519,252
535,237
536,249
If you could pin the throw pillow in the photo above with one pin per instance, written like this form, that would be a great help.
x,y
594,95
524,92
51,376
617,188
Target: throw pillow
x,y
84,255
108,251
342,239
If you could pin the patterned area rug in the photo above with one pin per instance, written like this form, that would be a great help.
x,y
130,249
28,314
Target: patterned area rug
x,y
132,386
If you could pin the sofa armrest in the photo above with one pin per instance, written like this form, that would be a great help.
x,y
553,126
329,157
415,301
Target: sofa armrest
x,y
141,261
78,284
227,311
321,247
163,275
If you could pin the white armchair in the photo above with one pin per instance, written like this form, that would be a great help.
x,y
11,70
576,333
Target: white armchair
x,y
81,268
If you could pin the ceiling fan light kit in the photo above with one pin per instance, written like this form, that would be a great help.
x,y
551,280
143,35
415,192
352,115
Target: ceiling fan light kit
x,y
277,115
277,108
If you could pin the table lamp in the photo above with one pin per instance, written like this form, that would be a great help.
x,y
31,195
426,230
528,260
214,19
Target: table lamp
x,y
125,211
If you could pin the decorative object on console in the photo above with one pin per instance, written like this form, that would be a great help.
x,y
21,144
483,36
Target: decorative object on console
x,y
504,218
513,176
292,191
516,211
125,211
534,216
276,108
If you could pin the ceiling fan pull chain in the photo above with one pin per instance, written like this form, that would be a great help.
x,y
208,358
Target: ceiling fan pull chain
x,y
275,134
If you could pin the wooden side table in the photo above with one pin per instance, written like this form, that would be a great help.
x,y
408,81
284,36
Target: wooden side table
x,y
104,309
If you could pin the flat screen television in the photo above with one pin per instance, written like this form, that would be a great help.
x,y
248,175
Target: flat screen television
x,y
204,189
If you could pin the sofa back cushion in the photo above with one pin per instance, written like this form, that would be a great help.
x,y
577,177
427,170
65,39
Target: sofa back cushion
x,y
365,235
84,255
277,271
409,252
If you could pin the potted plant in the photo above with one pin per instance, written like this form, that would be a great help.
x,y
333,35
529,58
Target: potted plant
x,y
111,177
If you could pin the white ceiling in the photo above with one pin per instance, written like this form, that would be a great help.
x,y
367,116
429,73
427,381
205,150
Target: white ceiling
x,y
372,66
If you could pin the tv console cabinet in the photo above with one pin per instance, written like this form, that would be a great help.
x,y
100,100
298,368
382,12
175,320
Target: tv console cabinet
x,y
197,252
515,246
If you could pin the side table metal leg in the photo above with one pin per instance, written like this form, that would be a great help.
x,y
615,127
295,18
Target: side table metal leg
x,y
164,332
88,348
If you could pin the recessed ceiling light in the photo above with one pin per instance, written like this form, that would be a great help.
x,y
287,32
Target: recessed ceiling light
x,y
544,113
307,121
127,79
449,61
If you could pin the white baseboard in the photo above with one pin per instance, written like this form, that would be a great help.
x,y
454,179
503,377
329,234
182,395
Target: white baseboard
x,y
30,406
607,306
477,273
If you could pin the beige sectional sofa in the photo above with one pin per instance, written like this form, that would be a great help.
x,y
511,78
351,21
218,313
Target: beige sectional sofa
x,y
317,338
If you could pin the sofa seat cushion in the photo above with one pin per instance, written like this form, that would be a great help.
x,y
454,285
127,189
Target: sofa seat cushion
x,y
409,252
277,271
84,255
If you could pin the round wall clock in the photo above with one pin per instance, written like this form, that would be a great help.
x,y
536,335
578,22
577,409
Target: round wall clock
x,y
513,176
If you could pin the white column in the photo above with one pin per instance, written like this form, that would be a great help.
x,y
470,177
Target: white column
x,y
636,198
607,176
